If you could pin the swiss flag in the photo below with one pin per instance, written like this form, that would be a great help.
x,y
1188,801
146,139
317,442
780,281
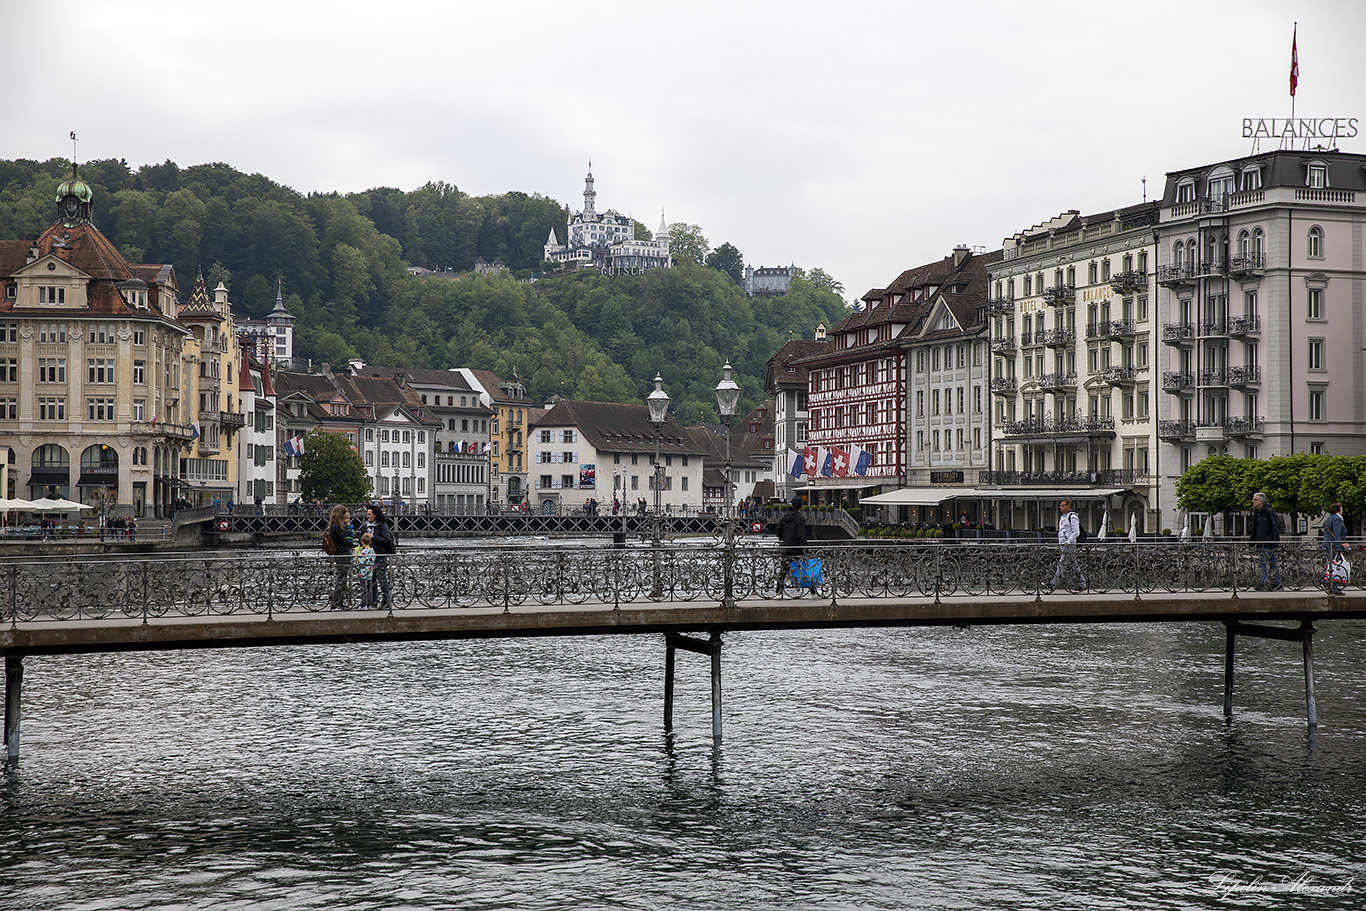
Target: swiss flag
x,y
1294,60
809,462
840,466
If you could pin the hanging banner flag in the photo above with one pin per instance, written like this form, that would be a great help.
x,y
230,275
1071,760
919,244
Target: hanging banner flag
x,y
827,462
1295,59
811,461
795,463
862,460
839,462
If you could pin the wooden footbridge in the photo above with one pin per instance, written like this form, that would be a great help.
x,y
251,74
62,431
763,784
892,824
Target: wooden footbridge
x,y
691,596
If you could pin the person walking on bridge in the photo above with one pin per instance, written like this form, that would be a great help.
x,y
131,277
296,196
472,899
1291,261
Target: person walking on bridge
x,y
1334,543
793,535
1265,538
1069,527
339,530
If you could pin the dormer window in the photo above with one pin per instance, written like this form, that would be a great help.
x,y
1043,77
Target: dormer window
x,y
1250,178
1316,175
1220,185
1185,190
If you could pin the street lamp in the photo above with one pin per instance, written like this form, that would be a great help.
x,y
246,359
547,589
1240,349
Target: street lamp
x,y
727,398
658,402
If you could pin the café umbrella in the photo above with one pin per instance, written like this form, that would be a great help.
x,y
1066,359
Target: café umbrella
x,y
58,504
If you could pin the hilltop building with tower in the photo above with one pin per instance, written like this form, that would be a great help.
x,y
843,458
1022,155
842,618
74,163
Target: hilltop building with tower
x,y
607,240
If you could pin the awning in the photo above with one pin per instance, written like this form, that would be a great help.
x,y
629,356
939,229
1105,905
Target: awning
x,y
1047,493
55,477
860,485
917,496
98,479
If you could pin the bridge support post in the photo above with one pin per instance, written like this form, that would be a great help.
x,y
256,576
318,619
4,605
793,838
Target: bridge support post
x,y
14,685
1304,635
710,647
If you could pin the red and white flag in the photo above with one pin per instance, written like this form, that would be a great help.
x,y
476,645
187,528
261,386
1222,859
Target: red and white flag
x,y
1294,60
810,463
840,466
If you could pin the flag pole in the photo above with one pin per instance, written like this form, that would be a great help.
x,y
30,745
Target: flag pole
x,y
1294,77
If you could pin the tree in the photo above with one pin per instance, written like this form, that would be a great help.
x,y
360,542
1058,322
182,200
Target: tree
x,y
727,259
686,242
824,281
331,470
1210,485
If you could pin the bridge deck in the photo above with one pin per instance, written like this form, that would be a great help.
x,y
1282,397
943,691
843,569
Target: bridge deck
x,y
46,636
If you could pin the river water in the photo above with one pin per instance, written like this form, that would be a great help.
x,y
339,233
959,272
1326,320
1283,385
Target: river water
x,y
992,767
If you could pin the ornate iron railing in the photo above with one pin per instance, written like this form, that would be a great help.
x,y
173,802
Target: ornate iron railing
x,y
1108,477
1176,333
276,583
1054,426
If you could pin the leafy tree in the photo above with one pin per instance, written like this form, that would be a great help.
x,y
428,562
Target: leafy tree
x,y
823,281
727,259
1211,485
331,470
686,242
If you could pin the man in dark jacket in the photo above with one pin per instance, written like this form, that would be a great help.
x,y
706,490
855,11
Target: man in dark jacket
x,y
792,535
1266,534
1334,543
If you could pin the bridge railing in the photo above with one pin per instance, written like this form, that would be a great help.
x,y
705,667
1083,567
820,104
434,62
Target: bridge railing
x,y
277,582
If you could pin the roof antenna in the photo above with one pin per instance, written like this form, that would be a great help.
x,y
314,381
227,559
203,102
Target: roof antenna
x,y
1145,189
73,154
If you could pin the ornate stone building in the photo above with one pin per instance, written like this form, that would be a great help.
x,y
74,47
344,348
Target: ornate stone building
x,y
607,240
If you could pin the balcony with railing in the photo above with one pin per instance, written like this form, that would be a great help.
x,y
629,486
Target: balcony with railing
x,y
1119,376
998,305
1055,338
1178,333
1109,477
1058,381
1245,427
1129,282
1049,427
1212,378
1175,381
1243,376
1003,385
1247,264
232,420
1210,267
1174,276
1027,338
1213,328
1059,294
1173,431
1003,344
173,433
1111,328
1243,325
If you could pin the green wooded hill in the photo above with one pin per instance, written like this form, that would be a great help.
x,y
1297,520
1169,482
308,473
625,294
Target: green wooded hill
x,y
343,259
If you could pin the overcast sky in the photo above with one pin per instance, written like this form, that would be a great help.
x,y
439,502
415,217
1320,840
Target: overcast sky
x,y
864,137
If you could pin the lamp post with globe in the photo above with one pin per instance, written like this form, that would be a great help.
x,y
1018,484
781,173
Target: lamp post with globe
x,y
727,399
658,402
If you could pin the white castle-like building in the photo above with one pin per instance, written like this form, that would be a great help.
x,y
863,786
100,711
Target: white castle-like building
x,y
607,240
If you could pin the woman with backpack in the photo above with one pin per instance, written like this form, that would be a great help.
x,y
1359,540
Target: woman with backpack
x,y
337,541
382,536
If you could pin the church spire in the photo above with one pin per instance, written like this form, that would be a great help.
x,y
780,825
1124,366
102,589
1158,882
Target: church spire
x,y
589,195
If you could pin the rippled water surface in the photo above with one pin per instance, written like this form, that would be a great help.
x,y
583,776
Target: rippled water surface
x,y
1011,767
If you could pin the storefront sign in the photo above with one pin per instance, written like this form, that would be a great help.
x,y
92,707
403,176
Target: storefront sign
x,y
946,477
1299,128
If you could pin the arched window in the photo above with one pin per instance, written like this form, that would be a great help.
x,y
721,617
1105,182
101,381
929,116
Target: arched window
x,y
1178,254
1258,242
51,470
1315,242
1244,243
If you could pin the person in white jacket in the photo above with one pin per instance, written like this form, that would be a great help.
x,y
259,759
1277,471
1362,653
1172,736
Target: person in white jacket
x,y
1069,526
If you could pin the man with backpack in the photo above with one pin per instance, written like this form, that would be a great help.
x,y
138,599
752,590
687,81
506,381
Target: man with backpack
x,y
1069,532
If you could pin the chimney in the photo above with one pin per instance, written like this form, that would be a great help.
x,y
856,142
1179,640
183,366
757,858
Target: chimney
x,y
960,253
325,369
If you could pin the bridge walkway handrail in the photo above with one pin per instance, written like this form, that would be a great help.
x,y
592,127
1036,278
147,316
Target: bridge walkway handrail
x,y
279,582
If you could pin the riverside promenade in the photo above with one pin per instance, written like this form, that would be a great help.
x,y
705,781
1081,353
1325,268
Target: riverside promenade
x,y
259,599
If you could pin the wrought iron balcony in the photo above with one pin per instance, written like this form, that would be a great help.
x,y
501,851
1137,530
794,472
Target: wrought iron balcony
x,y
1055,338
1173,276
1058,381
1059,294
1175,381
1003,344
1026,338
1060,426
1246,263
1003,385
1114,328
1243,376
1212,378
1116,376
1001,305
1175,430
1245,427
1213,327
1178,333
1110,477
1129,282
1243,325
1212,267
173,433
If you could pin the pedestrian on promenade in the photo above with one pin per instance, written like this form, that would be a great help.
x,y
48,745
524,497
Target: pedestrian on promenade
x,y
365,568
792,535
339,530
1069,527
1334,538
1265,538
377,526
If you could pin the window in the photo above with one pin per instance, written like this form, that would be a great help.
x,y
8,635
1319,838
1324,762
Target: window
x,y
1314,309
1315,250
139,373
52,370
100,370
1185,190
99,409
1316,354
1317,176
1251,178
52,409
1316,404
545,436
139,409
1143,406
